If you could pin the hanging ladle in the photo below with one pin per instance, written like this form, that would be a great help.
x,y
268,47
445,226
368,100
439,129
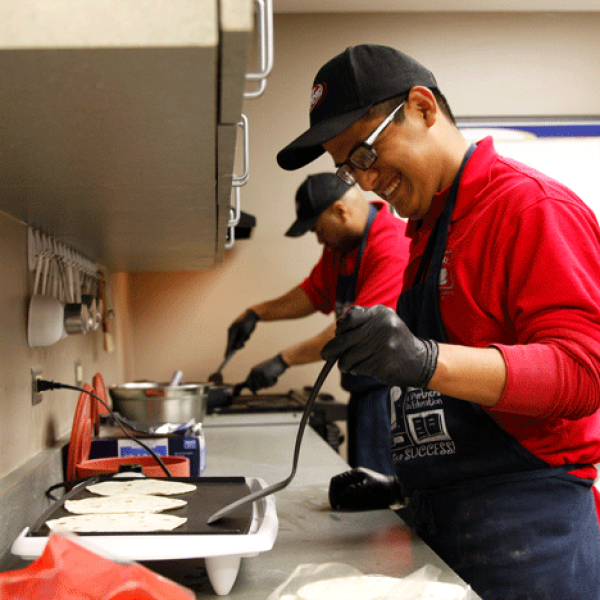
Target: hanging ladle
x,y
282,484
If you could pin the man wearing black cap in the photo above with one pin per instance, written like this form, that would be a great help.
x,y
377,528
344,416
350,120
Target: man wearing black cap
x,y
493,353
363,260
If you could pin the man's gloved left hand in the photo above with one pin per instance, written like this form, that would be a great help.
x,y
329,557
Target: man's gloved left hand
x,y
364,489
239,331
266,373
377,342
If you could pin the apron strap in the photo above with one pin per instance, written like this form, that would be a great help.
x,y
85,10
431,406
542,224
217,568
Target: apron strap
x,y
431,256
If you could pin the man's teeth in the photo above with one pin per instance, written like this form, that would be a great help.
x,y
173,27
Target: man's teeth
x,y
390,189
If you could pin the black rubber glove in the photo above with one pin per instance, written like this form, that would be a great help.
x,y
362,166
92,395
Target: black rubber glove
x,y
239,332
266,373
364,489
376,342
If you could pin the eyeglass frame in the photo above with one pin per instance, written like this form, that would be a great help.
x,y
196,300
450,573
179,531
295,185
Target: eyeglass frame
x,y
346,170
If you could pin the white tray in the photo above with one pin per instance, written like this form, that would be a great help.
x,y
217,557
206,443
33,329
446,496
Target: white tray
x,y
222,553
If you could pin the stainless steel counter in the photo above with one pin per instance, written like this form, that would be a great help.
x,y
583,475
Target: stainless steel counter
x,y
309,531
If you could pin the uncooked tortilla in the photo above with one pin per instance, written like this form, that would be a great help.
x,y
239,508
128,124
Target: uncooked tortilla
x,y
122,503
156,487
437,590
356,587
113,523
371,587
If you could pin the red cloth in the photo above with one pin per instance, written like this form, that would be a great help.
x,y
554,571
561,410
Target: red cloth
x,y
381,269
522,273
69,571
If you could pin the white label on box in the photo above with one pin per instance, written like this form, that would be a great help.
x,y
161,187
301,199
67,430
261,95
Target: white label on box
x,y
127,447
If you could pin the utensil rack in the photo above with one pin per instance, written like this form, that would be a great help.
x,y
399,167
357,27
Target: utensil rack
x,y
71,279
44,251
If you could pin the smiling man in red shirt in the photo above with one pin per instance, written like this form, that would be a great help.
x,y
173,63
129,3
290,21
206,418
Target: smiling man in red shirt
x,y
494,351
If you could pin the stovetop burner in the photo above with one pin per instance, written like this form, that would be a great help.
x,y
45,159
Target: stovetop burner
x,y
293,401
262,403
326,410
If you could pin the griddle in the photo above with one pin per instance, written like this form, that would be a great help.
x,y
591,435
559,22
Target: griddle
x,y
244,534
211,493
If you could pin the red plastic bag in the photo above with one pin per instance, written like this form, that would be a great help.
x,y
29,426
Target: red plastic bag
x,y
68,571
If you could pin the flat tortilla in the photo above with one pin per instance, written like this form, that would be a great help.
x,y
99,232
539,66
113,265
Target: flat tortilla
x,y
368,587
437,590
116,523
122,503
155,487
354,587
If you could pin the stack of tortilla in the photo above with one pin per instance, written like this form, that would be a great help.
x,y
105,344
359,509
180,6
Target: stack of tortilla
x,y
125,506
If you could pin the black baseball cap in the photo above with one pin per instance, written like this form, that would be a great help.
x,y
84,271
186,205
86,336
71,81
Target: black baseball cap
x,y
316,194
345,89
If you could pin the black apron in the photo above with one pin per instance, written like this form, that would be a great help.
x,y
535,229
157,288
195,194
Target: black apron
x,y
509,524
368,406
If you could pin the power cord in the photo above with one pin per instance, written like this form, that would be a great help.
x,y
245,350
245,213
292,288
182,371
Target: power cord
x,y
43,385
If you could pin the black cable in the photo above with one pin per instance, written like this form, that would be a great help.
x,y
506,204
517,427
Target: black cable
x,y
74,482
45,385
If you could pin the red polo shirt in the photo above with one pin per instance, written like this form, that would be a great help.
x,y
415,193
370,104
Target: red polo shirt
x,y
522,273
381,271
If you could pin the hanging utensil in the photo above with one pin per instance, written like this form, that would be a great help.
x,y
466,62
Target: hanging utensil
x,y
109,345
282,484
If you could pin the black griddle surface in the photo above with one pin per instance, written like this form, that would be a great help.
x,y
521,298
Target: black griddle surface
x,y
210,495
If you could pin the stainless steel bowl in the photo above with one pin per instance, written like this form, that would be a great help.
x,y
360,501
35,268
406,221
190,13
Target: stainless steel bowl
x,y
150,402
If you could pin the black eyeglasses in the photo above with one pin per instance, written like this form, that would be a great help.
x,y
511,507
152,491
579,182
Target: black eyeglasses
x,y
364,156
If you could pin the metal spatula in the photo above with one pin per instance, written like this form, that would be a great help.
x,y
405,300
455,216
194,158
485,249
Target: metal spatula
x,y
282,484
217,376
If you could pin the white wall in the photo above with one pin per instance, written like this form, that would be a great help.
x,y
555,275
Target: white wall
x,y
574,162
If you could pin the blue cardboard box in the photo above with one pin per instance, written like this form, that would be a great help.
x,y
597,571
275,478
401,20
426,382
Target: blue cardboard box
x,y
192,447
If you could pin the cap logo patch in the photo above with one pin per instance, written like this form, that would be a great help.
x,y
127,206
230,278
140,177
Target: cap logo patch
x,y
317,95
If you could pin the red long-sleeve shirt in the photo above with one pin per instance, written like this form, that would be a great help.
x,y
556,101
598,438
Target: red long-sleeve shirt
x,y
522,273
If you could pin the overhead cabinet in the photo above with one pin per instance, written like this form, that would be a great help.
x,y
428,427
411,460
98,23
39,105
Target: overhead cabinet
x,y
118,124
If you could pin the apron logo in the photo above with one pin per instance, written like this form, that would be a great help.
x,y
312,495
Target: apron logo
x,y
418,425
428,426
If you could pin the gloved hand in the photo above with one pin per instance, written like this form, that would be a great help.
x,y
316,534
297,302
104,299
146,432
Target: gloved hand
x,y
364,489
376,342
239,332
266,373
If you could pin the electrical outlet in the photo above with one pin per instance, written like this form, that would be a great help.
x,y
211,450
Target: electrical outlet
x,y
36,373
78,373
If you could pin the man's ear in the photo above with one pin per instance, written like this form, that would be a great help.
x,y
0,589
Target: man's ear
x,y
422,100
340,210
